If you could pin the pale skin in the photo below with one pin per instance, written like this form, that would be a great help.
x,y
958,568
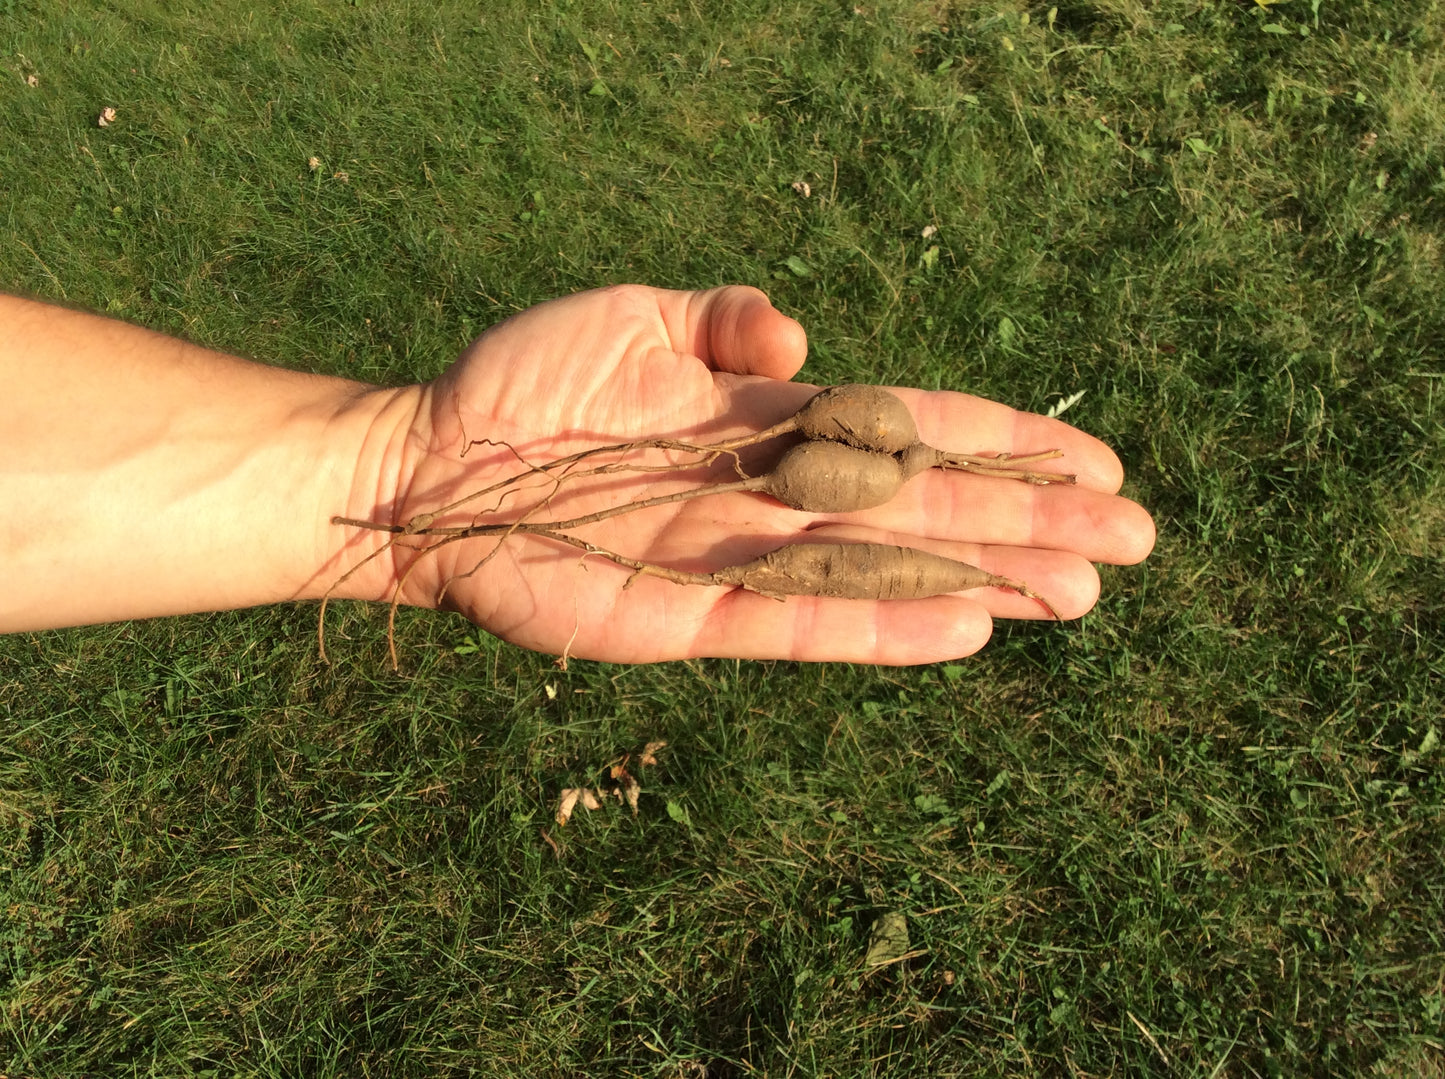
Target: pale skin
x,y
143,476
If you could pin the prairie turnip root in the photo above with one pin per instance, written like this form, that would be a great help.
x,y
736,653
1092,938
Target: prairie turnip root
x,y
830,477
844,474
815,477
871,418
876,571
862,446
868,417
863,571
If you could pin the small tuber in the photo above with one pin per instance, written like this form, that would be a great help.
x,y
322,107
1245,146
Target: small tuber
x,y
831,477
872,418
868,417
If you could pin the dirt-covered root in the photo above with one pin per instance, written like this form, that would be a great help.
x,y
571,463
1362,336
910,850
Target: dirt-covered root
x,y
829,477
872,418
868,417
863,571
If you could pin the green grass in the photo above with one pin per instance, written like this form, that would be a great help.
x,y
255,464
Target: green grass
x,y
1199,833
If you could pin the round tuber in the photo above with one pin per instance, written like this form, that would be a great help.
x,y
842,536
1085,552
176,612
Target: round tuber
x,y
830,477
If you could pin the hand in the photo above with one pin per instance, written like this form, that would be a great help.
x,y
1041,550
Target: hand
x,y
632,363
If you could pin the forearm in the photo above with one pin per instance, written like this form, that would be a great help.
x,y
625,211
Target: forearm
x,y
141,475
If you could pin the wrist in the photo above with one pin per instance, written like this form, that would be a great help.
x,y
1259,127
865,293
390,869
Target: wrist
x,y
373,442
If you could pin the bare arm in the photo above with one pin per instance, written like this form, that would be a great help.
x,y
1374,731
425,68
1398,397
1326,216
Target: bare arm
x,y
141,475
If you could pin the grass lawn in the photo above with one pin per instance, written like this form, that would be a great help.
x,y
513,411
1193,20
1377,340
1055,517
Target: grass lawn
x,y
1199,833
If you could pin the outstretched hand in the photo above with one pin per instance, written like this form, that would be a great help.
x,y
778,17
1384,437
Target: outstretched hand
x,y
633,363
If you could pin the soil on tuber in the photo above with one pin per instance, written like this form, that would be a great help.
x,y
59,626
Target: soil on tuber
x,y
863,571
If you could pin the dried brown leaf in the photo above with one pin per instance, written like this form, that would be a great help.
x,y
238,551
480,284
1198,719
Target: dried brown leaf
x,y
650,751
568,803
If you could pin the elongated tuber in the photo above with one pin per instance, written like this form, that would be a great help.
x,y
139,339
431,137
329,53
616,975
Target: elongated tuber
x,y
863,571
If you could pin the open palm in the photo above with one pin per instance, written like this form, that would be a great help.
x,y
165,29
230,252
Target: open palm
x,y
633,363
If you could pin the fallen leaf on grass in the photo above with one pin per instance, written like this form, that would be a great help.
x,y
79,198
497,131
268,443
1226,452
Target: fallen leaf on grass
x,y
106,117
889,940
571,796
32,81
794,265
624,786
568,803
313,163
802,188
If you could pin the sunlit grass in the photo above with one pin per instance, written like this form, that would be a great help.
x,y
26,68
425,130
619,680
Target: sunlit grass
x,y
1198,832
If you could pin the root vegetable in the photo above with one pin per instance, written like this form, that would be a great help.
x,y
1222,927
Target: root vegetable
x,y
871,418
863,571
816,477
830,477
868,417
876,571
862,446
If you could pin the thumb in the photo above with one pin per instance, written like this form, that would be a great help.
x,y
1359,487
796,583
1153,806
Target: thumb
x,y
736,329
